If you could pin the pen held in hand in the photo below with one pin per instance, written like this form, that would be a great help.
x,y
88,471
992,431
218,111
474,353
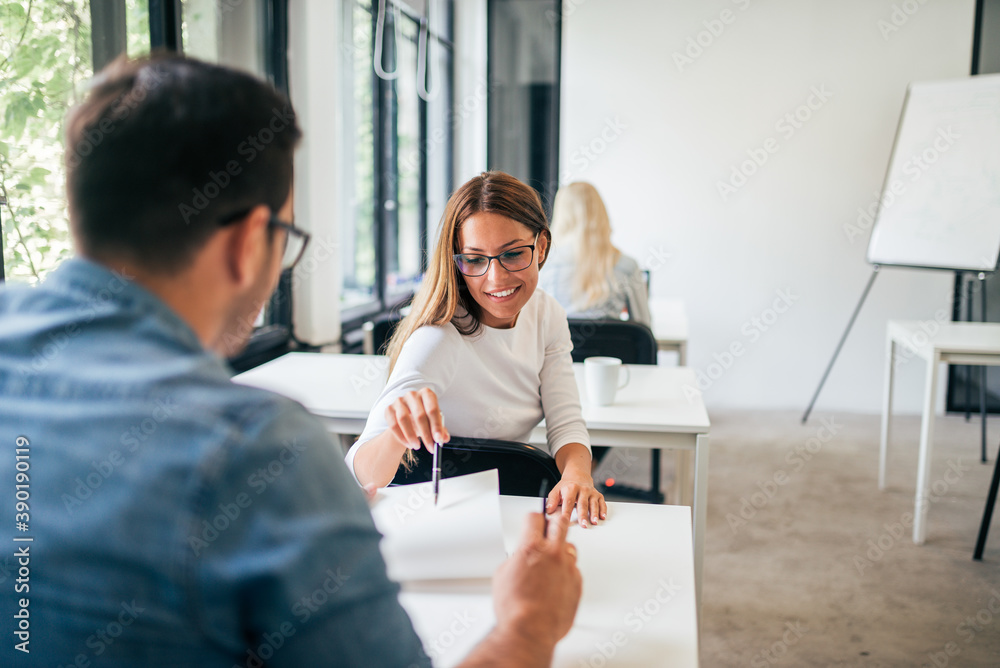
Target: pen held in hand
x,y
436,471
544,493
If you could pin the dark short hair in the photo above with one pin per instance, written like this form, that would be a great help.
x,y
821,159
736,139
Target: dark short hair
x,y
166,148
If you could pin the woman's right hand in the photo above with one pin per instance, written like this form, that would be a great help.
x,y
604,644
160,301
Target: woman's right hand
x,y
415,418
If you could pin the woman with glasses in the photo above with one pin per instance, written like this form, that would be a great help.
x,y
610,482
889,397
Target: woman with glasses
x,y
483,350
587,275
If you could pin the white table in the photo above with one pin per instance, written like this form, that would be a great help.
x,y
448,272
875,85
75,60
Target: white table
x,y
971,343
652,411
638,558
670,326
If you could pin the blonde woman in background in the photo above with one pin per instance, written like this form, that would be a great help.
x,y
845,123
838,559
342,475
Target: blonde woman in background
x,y
586,274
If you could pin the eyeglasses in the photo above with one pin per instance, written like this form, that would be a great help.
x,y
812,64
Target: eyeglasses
x,y
296,240
515,259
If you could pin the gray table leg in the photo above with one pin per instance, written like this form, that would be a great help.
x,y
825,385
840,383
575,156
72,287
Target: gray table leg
x,y
926,448
890,363
684,487
700,506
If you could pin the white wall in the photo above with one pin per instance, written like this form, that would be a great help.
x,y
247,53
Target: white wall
x,y
471,89
315,49
657,136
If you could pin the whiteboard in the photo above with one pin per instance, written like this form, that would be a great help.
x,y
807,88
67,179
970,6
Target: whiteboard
x,y
940,202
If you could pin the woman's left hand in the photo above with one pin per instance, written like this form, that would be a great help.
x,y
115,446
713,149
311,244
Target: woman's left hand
x,y
578,491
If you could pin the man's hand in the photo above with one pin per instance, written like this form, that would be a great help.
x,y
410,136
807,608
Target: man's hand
x,y
537,590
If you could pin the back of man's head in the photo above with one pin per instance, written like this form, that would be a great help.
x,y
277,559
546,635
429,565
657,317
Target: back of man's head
x,y
165,149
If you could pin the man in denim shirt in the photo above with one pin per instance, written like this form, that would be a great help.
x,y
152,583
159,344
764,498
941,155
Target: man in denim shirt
x,y
168,517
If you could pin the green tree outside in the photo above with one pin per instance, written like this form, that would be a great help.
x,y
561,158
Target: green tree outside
x,y
45,64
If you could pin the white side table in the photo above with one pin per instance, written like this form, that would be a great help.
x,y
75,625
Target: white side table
x,y
971,343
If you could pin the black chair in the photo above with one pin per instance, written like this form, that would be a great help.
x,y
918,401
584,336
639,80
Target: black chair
x,y
632,343
523,468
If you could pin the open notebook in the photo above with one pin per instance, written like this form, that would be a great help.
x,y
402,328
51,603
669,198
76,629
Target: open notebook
x,y
461,537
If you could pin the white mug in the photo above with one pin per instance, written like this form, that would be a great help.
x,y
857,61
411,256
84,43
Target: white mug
x,y
602,374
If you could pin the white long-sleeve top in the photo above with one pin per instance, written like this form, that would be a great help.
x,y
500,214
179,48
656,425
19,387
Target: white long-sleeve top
x,y
496,384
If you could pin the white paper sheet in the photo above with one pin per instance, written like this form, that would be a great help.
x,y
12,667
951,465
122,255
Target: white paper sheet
x,y
461,537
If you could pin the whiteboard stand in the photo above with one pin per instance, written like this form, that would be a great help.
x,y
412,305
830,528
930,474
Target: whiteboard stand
x,y
939,206
982,369
991,499
836,353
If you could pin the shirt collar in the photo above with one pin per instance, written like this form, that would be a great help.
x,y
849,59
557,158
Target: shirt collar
x,y
108,290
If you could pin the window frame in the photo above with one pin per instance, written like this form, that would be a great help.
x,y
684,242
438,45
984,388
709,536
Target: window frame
x,y
275,337
109,36
385,221
165,18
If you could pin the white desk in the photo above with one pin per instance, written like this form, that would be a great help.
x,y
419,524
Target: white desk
x,y
650,412
638,559
670,326
972,343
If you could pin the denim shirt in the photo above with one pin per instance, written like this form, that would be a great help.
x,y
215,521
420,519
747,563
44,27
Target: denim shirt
x,y
176,518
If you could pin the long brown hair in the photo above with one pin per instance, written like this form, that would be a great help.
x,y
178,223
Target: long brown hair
x,y
444,288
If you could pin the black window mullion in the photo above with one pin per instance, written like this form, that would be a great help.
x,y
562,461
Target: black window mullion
x,y
379,93
389,244
165,25
274,337
275,21
422,194
108,32
276,43
450,153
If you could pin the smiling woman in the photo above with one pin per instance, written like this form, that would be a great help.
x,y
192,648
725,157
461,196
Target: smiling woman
x,y
501,290
481,342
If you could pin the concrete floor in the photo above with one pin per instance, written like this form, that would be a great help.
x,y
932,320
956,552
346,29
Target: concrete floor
x,y
808,564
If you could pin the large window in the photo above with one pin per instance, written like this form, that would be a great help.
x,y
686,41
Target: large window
x,y
250,35
398,114
246,35
48,51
